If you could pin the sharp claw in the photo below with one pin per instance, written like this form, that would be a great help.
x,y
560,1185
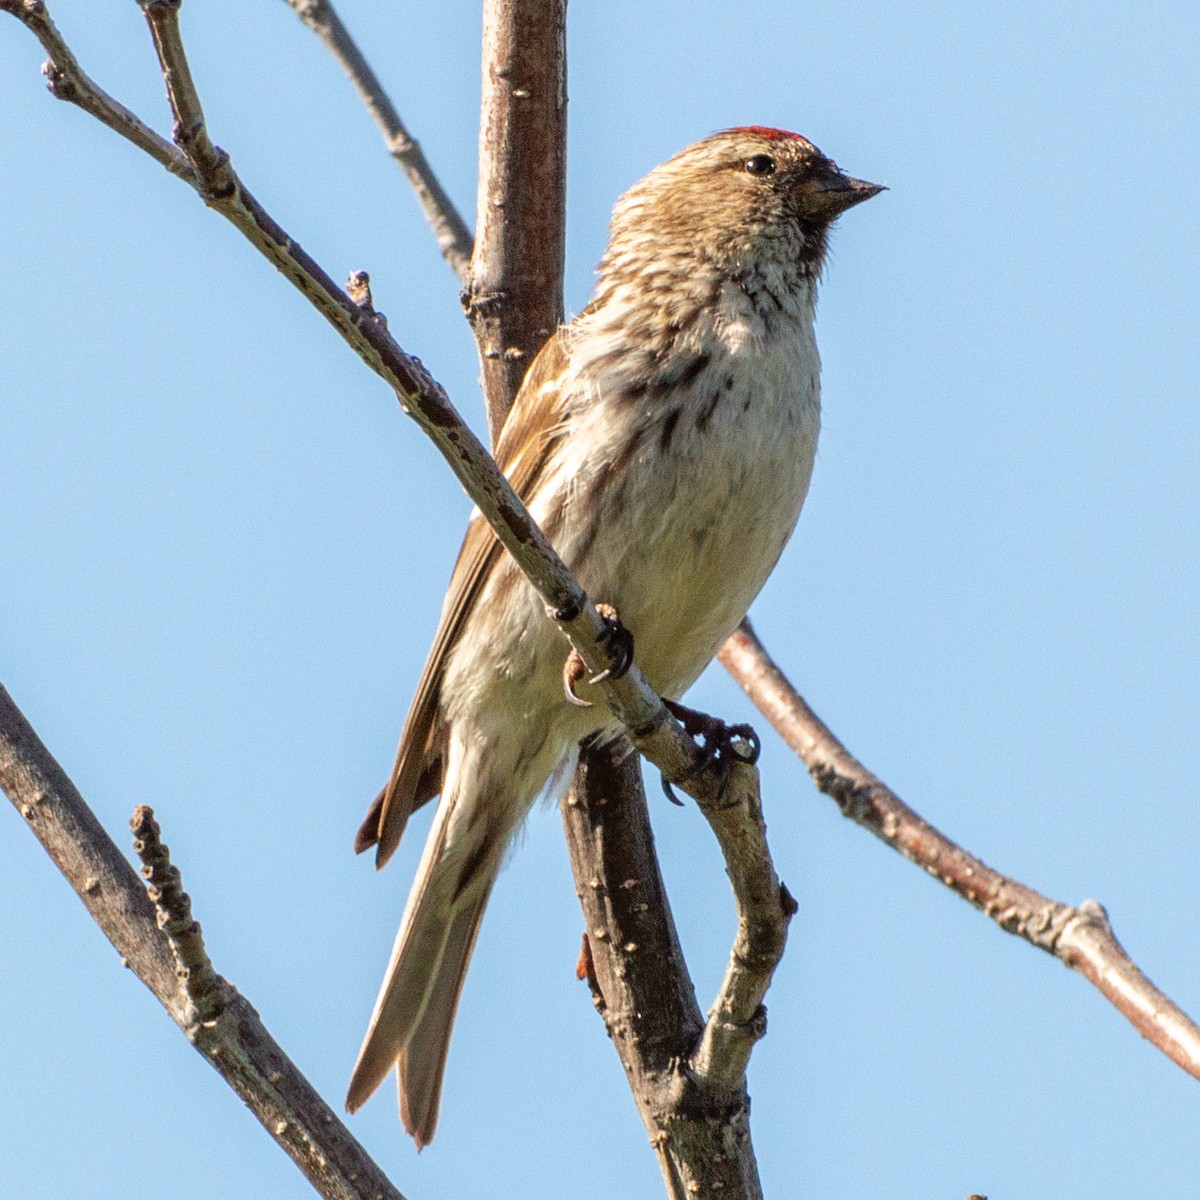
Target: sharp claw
x,y
749,735
620,642
572,672
669,792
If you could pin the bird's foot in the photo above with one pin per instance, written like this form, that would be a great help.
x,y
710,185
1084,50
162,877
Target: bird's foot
x,y
619,643
720,742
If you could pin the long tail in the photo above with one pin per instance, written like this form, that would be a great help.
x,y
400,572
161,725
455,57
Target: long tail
x,y
414,1014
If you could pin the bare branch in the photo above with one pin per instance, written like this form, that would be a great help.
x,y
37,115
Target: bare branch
x,y
655,733
698,1126
514,299
737,1019
453,236
216,1018
206,991
1081,937
68,81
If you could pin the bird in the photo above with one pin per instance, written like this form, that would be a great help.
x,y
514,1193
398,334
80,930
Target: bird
x,y
664,441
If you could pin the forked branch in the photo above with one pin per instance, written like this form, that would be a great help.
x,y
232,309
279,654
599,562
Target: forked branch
x,y
1078,936
164,949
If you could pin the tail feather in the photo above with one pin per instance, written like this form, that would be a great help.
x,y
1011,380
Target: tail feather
x,y
414,1013
422,1063
413,968
484,798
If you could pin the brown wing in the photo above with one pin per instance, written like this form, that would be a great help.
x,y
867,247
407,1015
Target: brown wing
x,y
532,428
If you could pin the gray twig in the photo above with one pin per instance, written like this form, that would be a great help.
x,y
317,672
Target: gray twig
x,y
67,80
206,990
453,236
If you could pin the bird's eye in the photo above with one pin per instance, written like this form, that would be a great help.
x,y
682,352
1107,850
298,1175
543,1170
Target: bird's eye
x,y
761,164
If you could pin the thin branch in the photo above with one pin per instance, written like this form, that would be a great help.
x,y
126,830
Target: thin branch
x,y
453,236
1080,936
206,991
68,81
514,299
631,699
219,1021
653,730
738,1019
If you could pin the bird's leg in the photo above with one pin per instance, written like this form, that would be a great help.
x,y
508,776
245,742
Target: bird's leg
x,y
619,642
720,741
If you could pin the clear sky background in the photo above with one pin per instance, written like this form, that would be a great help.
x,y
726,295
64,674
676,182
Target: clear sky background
x,y
223,552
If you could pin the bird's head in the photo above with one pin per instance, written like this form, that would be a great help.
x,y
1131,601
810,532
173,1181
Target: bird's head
x,y
735,196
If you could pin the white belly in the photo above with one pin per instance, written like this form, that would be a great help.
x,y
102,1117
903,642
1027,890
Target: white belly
x,y
679,535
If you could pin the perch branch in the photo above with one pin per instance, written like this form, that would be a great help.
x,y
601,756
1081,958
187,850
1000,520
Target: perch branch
x,y
1078,936
764,907
631,699
215,1017
651,727
453,236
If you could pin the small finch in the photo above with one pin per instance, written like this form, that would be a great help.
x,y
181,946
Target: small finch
x,y
664,441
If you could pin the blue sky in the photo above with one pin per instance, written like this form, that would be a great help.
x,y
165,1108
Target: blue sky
x,y
224,551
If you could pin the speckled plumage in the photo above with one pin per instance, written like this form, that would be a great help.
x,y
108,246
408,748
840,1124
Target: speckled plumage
x,y
664,440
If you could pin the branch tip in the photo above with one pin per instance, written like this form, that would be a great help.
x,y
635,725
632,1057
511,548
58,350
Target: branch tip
x,y
206,990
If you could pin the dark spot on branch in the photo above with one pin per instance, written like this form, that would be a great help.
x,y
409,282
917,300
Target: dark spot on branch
x,y
568,612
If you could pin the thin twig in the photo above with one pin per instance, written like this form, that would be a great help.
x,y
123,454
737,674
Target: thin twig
x,y
206,991
227,1031
68,81
737,1019
653,730
1079,936
453,236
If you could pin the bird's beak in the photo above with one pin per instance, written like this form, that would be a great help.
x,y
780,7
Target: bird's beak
x,y
830,195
